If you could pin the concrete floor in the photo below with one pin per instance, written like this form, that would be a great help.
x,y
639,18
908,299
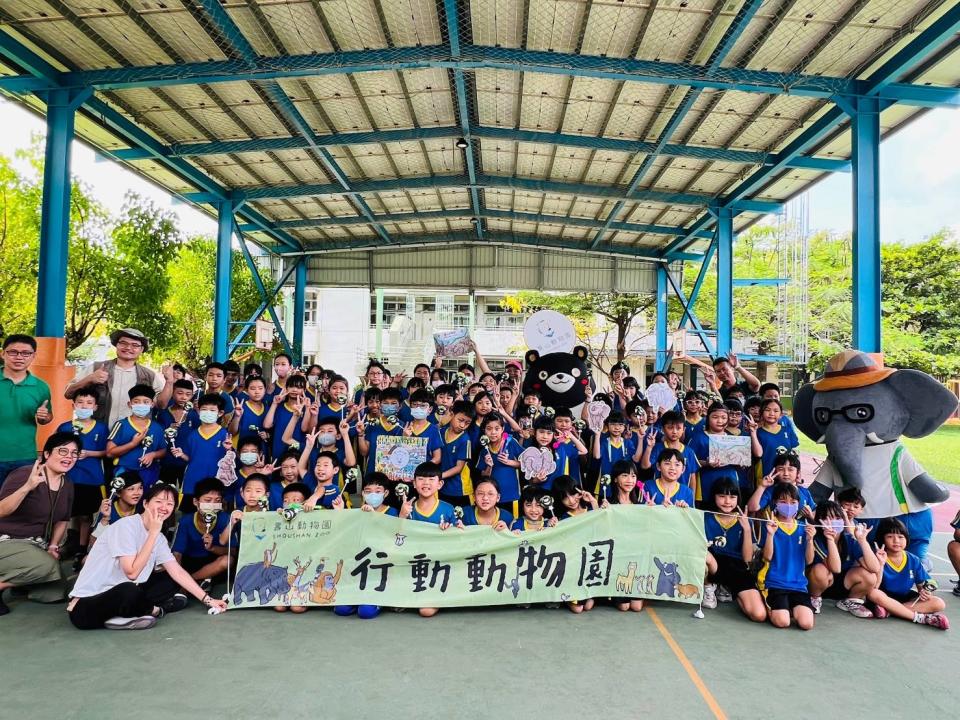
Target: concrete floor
x,y
480,664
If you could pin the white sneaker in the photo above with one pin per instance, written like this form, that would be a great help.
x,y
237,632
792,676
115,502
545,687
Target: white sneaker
x,y
723,594
710,596
143,622
817,602
854,607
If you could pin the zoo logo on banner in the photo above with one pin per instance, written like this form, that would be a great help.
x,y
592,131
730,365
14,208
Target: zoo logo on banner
x,y
350,557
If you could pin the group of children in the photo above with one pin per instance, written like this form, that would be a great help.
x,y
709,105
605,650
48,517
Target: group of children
x,y
304,442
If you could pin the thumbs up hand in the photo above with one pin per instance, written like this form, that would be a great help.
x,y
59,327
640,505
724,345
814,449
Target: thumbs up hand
x,y
43,414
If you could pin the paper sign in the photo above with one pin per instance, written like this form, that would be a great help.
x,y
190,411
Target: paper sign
x,y
398,456
452,343
547,331
730,450
661,395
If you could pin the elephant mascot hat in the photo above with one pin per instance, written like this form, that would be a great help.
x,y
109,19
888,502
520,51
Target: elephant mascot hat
x,y
859,409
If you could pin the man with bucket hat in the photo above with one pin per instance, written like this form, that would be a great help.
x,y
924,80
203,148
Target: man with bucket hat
x,y
114,378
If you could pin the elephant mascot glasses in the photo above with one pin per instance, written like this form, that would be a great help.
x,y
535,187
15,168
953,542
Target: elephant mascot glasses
x,y
859,409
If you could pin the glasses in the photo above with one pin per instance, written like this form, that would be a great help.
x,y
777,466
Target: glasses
x,y
859,413
20,353
67,453
128,344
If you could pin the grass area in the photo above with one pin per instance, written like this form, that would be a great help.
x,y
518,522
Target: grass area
x,y
939,454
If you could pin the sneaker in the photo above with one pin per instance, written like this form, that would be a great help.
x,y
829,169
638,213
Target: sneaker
x,y
723,594
880,613
956,590
206,584
175,604
130,623
816,602
855,608
937,620
710,596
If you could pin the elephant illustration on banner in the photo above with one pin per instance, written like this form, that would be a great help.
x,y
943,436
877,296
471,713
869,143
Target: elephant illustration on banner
x,y
860,409
264,581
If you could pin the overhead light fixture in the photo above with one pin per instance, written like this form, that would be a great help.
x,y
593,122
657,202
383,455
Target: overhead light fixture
x,y
462,143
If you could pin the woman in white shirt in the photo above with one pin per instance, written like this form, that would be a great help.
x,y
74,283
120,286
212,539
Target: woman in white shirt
x,y
118,587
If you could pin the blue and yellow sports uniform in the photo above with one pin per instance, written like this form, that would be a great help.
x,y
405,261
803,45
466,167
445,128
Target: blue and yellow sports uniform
x,y
470,516
456,447
679,493
123,432
440,512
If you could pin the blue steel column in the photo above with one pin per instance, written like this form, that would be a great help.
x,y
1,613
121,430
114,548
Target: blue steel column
x,y
661,318
55,216
222,287
299,306
865,126
724,281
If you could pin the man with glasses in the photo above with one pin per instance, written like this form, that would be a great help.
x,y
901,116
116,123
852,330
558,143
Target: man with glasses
x,y
24,404
116,377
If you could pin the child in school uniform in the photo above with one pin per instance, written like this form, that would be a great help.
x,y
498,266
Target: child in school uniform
x,y
498,460
254,493
250,460
786,468
421,407
533,514
738,424
666,488
485,510
730,534
715,424
374,494
854,571
787,549
125,502
288,404
215,377
905,589
288,473
692,415
197,544
331,435
570,448
772,436
250,413
455,456
428,507
610,446
624,490
388,424
204,448
87,474
327,493
672,437
136,442
182,416
570,499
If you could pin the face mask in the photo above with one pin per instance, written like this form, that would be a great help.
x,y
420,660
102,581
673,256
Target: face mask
x,y
249,458
312,380
787,510
836,524
420,413
373,499
326,439
389,409
83,413
141,410
208,416
436,383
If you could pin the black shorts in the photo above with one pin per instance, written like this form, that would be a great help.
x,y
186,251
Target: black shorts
x,y
905,597
733,573
837,591
787,599
192,564
87,499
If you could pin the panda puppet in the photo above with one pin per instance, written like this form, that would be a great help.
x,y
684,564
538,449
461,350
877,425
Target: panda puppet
x,y
561,378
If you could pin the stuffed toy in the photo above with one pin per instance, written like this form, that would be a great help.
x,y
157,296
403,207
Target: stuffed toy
x,y
859,409
561,378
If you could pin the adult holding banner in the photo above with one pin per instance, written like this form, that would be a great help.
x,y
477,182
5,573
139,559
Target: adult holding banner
x,y
119,587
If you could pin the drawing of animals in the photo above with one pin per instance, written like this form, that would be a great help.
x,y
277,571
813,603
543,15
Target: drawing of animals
x,y
625,582
687,591
669,577
649,582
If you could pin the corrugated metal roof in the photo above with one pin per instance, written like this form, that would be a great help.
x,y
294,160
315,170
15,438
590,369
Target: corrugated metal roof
x,y
600,124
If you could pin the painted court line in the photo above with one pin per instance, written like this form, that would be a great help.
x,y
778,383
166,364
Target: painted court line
x,y
695,678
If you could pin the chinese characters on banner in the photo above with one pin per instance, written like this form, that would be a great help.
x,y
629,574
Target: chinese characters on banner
x,y
352,557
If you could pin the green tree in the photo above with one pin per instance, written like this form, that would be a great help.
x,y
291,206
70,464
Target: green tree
x,y
603,321
19,233
190,302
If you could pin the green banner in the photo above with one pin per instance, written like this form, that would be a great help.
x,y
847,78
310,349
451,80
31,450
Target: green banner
x,y
350,557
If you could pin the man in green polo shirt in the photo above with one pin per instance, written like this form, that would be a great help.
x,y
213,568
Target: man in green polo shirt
x,y
24,404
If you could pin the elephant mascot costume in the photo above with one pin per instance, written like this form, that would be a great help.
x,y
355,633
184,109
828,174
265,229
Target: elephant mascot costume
x,y
859,409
